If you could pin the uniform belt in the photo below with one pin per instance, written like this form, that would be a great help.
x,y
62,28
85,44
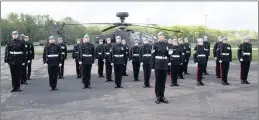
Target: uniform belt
x,y
160,57
246,53
182,53
118,55
201,55
53,55
87,55
187,51
107,53
175,56
76,52
99,53
135,54
206,49
63,53
147,55
224,53
15,53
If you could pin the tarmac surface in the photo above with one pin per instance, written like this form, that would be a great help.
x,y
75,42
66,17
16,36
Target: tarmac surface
x,y
133,102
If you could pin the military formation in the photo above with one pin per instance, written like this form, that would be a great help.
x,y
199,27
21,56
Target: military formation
x,y
166,57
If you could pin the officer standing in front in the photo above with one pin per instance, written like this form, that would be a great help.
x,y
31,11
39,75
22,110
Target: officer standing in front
x,y
188,48
225,58
182,46
15,57
52,60
161,62
107,60
24,67
86,59
145,55
135,60
199,58
100,56
63,57
244,54
207,49
123,41
216,49
30,56
75,56
176,60
118,57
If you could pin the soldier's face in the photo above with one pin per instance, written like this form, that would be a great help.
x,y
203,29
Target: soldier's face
x,y
180,41
246,41
123,42
169,41
145,42
100,42
186,41
85,40
161,37
118,40
26,39
78,42
200,43
52,41
175,42
136,43
205,39
15,36
108,41
224,41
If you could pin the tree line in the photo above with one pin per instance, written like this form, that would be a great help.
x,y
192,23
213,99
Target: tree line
x,y
37,28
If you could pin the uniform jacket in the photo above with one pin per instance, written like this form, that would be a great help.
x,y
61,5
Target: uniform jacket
x,y
245,52
15,52
118,54
176,58
75,51
52,54
86,53
63,51
134,54
146,54
107,52
160,55
216,49
187,50
199,55
183,49
207,47
225,53
99,52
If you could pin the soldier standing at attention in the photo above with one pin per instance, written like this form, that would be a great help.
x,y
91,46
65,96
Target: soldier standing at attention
x,y
135,60
30,56
75,56
216,49
100,56
145,55
52,60
86,58
170,45
161,62
107,60
182,46
199,57
118,57
63,57
244,54
207,49
188,48
127,57
24,67
15,57
225,57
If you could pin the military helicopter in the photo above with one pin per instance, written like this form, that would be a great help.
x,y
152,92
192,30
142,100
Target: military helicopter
x,y
122,30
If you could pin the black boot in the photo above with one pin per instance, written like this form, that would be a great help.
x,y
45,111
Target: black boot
x,y
158,100
13,90
164,100
223,83
199,83
243,82
202,83
247,82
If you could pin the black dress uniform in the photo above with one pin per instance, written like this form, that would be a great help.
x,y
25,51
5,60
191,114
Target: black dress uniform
x,y
135,58
126,60
146,59
118,57
75,56
245,58
176,60
225,56
15,57
169,67
207,49
24,67
63,57
30,58
100,56
186,57
107,57
161,60
199,57
87,57
216,49
52,57
183,49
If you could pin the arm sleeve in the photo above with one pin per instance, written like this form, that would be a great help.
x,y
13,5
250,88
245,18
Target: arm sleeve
x,y
24,52
230,54
214,50
59,54
251,51
6,57
195,54
239,52
93,53
44,55
65,52
130,53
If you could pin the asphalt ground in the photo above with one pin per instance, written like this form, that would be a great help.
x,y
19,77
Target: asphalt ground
x,y
133,102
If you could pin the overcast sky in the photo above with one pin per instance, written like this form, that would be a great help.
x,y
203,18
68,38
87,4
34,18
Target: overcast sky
x,y
221,15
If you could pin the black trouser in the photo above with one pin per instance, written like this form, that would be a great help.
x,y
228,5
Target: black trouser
x,y
205,69
61,69
224,67
108,70
244,69
136,67
181,70
199,71
24,73
217,68
118,71
53,76
160,76
78,71
147,73
29,69
174,73
100,67
87,74
185,64
16,75
125,68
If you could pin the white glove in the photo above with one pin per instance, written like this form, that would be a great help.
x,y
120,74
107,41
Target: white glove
x,y
152,70
6,64
141,63
181,64
169,64
23,64
215,58
80,63
29,61
104,60
170,52
220,61
185,60
241,59
46,65
209,56
230,62
60,65
130,60
153,51
196,64
112,64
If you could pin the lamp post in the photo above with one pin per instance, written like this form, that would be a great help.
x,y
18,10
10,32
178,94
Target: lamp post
x,y
205,25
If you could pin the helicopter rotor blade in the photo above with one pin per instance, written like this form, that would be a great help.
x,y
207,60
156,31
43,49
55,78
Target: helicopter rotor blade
x,y
177,31
109,28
